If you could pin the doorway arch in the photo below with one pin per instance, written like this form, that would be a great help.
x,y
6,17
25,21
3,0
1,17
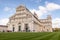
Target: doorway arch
x,y
13,29
26,28
19,28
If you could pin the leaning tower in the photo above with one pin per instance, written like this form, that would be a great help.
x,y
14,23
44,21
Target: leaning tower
x,y
49,18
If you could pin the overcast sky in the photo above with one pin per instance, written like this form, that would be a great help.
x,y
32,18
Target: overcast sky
x,y
41,7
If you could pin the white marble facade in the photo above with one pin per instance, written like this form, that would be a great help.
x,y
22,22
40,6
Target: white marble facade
x,y
24,21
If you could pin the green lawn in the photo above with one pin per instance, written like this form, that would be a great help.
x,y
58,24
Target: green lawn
x,y
30,36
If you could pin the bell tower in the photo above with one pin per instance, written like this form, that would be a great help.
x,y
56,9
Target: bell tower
x,y
49,17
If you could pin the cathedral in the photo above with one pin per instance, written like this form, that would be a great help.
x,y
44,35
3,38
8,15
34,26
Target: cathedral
x,y
24,21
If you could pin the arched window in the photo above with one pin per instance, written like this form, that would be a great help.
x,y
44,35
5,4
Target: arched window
x,y
19,23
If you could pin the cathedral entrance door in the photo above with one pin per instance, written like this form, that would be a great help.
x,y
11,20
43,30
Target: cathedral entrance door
x,y
13,29
26,28
19,28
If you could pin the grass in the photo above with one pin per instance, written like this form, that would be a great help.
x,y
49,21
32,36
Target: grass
x,y
30,36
